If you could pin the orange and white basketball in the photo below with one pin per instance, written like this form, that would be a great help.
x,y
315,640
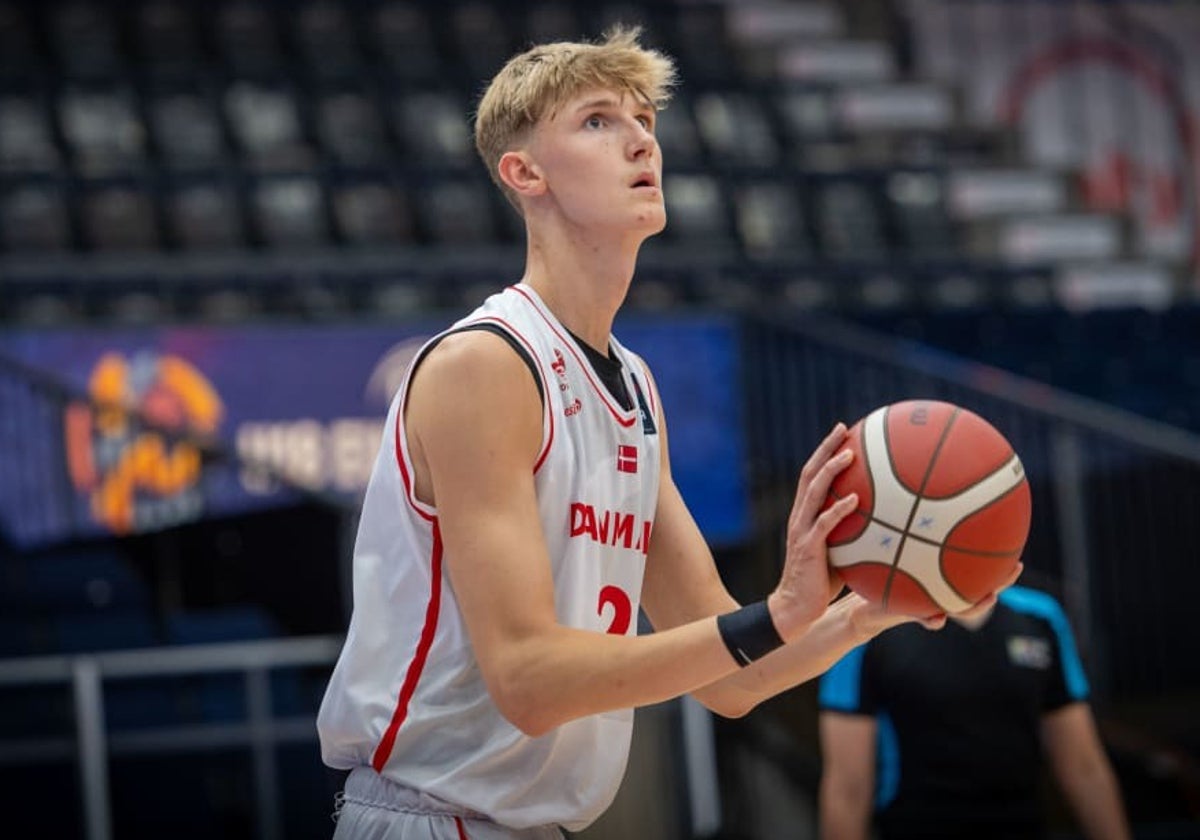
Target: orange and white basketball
x,y
943,508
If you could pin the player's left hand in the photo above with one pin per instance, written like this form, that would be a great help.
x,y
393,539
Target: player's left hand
x,y
808,584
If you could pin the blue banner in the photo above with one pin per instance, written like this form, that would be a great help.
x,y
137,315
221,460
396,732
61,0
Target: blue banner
x,y
308,401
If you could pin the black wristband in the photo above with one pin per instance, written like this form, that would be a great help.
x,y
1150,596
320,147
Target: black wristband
x,y
749,633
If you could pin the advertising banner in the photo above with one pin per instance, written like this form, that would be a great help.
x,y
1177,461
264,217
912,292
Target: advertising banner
x,y
306,400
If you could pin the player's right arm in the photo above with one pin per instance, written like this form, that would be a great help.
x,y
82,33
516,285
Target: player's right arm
x,y
847,776
474,425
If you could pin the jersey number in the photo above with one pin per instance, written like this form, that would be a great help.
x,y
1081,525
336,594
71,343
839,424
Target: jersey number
x,y
622,609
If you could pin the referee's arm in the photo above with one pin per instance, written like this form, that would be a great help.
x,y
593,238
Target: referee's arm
x,y
847,776
1084,773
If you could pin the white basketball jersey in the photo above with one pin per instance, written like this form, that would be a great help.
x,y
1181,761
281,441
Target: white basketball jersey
x,y
406,695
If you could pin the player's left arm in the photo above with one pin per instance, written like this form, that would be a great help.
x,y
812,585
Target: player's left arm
x,y
1084,772
682,584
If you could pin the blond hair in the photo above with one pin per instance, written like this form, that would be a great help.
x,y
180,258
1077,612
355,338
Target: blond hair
x,y
534,83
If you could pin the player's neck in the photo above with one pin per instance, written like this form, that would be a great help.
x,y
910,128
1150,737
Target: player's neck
x,y
582,282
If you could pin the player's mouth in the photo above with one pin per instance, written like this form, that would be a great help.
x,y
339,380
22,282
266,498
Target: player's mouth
x,y
646,180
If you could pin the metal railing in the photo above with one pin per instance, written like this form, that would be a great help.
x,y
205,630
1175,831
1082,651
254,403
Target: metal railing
x,y
1114,529
87,674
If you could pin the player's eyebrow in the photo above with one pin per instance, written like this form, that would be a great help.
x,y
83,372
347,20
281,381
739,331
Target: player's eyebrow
x,y
599,102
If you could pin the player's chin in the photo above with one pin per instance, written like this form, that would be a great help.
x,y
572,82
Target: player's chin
x,y
652,220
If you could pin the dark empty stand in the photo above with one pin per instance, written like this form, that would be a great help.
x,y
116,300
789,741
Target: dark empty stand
x,y
433,128
849,223
19,56
325,39
551,20
166,37
102,129
34,217
351,129
289,210
771,221
84,39
186,128
700,42
405,43
735,129
247,37
119,215
676,131
204,214
266,123
479,34
373,213
27,144
697,212
917,208
456,211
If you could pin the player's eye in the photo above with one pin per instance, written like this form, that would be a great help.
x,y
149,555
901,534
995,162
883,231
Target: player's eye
x,y
594,121
647,122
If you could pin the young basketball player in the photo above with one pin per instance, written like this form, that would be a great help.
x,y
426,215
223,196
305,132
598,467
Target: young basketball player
x,y
521,510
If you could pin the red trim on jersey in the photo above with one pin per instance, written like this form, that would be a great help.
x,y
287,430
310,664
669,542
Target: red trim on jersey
x,y
462,832
616,411
400,461
384,750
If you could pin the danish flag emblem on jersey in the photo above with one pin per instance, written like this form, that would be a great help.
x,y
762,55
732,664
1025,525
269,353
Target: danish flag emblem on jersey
x,y
626,459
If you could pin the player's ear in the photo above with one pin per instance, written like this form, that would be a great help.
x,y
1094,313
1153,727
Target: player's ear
x,y
522,175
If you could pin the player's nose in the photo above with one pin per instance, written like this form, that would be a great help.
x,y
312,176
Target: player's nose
x,y
641,141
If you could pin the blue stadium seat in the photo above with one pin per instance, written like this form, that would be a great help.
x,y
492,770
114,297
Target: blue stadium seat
x,y
220,696
33,711
224,624
73,582
115,630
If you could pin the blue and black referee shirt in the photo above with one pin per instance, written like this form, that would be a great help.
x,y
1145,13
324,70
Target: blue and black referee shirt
x,y
958,711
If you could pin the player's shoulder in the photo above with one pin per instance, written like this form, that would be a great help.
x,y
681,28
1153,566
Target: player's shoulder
x,y
474,374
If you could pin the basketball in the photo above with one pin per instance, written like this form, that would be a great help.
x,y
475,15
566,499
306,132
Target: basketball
x,y
943,508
